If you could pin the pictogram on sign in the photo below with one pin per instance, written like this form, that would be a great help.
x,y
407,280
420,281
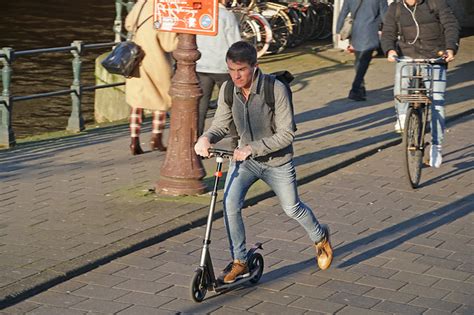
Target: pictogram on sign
x,y
184,16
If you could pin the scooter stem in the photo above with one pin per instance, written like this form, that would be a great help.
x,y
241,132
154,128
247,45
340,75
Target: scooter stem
x,y
210,217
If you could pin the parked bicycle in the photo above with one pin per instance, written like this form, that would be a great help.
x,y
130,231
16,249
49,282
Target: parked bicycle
x,y
272,26
254,27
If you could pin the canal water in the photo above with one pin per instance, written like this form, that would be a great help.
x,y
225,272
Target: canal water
x,y
31,24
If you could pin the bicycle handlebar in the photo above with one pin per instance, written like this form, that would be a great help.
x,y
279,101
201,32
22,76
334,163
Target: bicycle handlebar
x,y
221,152
420,60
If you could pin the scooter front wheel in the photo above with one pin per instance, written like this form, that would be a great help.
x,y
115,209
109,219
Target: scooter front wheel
x,y
256,263
199,285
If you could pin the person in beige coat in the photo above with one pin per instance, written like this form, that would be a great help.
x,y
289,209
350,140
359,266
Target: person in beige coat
x,y
149,86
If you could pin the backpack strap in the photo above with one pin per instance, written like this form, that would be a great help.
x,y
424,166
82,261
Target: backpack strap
x,y
229,93
269,90
398,12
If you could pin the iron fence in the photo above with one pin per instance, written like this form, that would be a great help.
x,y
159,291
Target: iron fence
x,y
75,122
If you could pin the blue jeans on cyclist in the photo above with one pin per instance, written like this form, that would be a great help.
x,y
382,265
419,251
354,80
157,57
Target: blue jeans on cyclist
x,y
437,108
282,180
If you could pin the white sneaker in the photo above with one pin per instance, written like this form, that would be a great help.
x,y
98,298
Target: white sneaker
x,y
400,124
435,156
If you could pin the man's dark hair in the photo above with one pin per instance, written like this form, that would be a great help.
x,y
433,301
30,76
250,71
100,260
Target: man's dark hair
x,y
242,52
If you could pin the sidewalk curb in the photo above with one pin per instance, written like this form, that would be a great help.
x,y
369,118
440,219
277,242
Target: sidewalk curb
x,y
44,280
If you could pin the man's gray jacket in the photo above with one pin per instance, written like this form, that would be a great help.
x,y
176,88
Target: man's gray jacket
x,y
268,132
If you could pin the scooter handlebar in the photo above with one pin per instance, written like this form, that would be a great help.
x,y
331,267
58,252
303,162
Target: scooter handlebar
x,y
221,152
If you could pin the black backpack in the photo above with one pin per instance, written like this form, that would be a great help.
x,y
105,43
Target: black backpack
x,y
284,77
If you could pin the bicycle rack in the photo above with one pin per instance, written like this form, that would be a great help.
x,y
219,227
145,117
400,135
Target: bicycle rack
x,y
416,95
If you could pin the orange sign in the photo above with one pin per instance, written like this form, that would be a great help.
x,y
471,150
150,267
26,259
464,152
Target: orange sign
x,y
184,16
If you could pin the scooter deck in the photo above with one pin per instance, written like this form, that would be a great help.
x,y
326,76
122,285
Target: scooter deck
x,y
221,286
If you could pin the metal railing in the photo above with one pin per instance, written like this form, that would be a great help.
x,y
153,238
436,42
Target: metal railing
x,y
75,122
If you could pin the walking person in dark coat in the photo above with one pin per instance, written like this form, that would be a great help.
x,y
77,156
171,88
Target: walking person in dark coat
x,y
364,38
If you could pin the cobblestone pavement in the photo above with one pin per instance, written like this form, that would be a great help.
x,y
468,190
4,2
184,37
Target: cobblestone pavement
x,y
70,204
397,250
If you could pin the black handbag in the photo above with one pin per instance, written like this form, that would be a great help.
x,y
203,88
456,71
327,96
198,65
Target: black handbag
x,y
126,56
123,60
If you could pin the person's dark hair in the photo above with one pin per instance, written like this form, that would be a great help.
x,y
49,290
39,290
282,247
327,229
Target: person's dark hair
x,y
242,52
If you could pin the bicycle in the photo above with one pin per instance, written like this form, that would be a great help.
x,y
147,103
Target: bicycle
x,y
280,22
254,27
419,97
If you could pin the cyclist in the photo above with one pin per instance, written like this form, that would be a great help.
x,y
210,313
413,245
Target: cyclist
x,y
421,29
265,152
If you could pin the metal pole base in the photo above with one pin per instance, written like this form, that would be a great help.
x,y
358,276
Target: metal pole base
x,y
177,187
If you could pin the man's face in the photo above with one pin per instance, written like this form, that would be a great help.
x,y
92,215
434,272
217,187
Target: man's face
x,y
241,73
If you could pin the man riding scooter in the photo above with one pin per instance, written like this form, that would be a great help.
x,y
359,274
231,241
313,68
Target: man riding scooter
x,y
265,152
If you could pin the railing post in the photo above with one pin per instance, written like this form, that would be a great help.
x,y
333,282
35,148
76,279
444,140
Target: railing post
x,y
118,25
130,5
118,20
7,136
76,122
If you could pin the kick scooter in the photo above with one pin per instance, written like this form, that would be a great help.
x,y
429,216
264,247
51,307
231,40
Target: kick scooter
x,y
204,278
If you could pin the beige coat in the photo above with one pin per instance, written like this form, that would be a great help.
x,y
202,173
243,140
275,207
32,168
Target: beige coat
x,y
149,89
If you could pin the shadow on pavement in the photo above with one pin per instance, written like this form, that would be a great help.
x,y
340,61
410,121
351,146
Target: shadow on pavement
x,y
18,157
343,148
390,238
303,79
465,165
372,120
387,239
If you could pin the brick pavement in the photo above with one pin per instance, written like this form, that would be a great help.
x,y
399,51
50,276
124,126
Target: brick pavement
x,y
397,250
69,204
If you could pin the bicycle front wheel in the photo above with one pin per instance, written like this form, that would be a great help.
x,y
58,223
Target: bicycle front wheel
x,y
413,146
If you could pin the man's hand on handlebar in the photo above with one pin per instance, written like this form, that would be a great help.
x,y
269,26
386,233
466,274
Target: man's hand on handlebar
x,y
241,154
449,55
392,55
202,146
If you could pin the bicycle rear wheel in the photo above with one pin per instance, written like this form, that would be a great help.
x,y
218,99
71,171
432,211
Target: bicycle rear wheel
x,y
280,32
249,30
297,20
265,32
413,146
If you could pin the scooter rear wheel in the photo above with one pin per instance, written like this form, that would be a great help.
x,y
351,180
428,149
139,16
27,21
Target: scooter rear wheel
x,y
256,262
199,285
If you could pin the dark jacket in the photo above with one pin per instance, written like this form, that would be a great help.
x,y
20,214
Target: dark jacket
x,y
366,24
438,29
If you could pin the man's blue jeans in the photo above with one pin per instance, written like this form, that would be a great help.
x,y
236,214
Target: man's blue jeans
x,y
282,180
437,107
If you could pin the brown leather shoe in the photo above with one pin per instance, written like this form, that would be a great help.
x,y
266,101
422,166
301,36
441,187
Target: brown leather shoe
x,y
135,147
239,270
156,142
324,250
